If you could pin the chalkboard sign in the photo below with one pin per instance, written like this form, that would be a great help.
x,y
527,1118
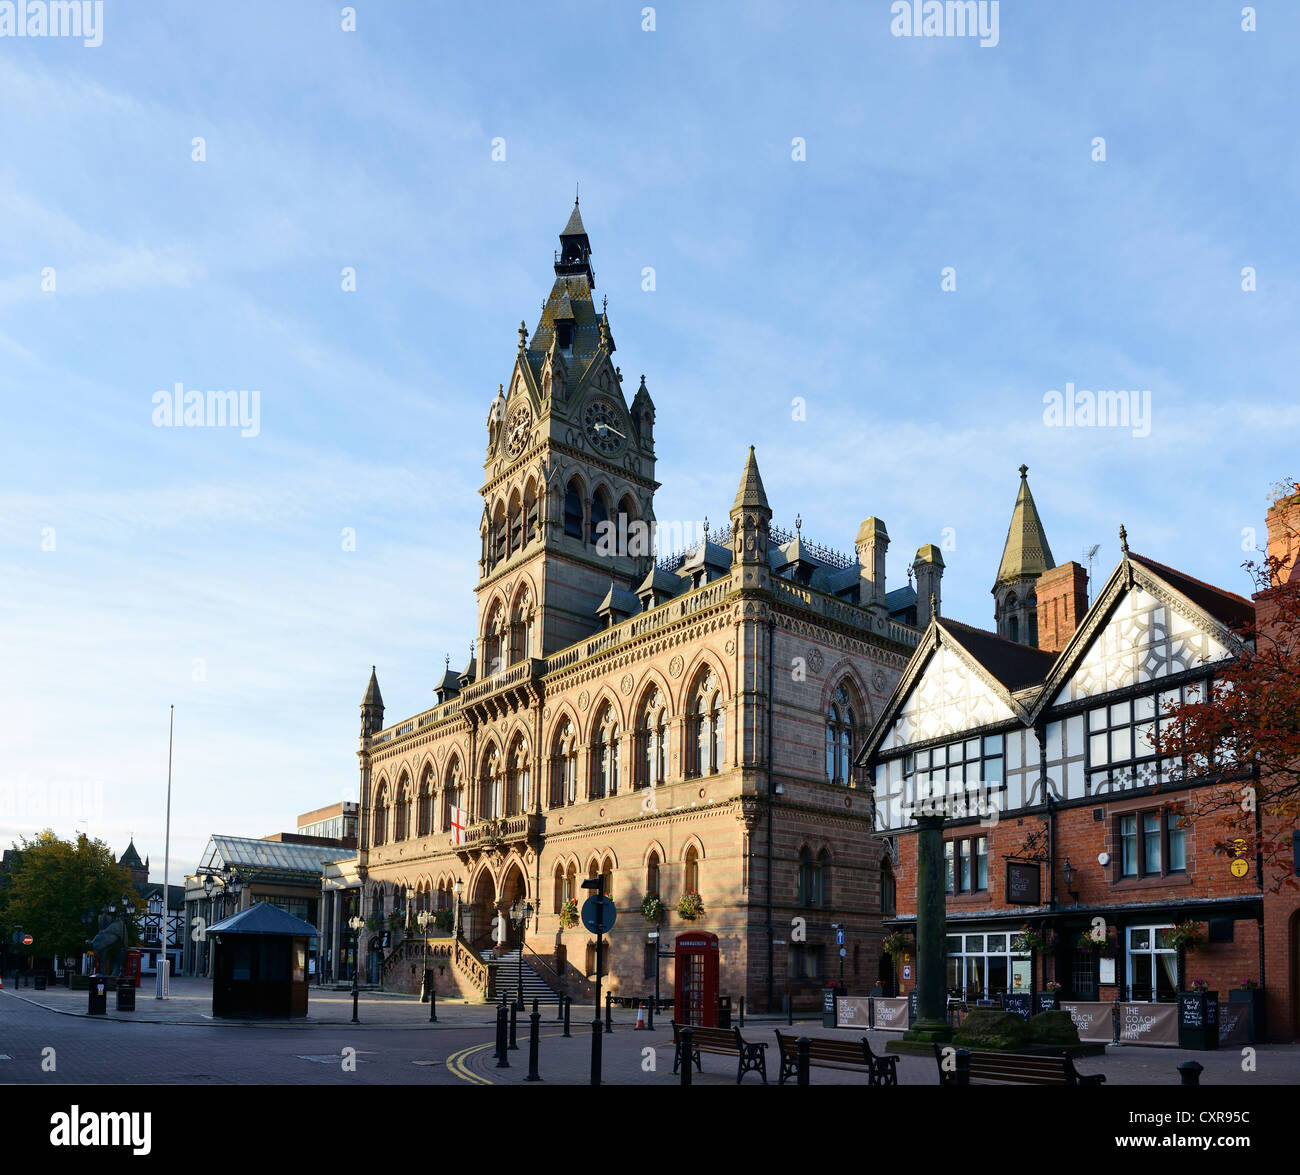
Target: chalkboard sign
x,y
1049,1001
1019,1003
1024,883
913,1006
828,1000
1191,1010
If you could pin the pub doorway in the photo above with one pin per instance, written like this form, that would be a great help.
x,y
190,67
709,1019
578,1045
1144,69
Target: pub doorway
x,y
885,976
1083,976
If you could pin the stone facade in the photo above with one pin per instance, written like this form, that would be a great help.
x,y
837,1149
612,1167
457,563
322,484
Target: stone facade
x,y
676,723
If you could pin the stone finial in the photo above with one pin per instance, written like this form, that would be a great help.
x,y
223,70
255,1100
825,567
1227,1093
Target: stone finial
x,y
523,334
1123,539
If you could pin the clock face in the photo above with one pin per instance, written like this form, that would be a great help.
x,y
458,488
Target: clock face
x,y
601,421
517,426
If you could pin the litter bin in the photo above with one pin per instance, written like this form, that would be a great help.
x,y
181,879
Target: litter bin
x,y
126,997
724,1011
829,996
98,996
40,982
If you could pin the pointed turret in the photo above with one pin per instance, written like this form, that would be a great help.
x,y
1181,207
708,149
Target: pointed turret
x,y
372,707
751,520
575,248
1025,557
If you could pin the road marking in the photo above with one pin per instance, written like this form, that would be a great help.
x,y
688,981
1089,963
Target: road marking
x,y
456,1064
333,1058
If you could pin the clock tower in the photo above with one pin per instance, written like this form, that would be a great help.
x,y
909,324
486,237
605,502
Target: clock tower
x,y
568,488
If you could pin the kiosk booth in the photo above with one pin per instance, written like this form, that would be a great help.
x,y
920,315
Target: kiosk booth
x,y
131,967
259,968
695,979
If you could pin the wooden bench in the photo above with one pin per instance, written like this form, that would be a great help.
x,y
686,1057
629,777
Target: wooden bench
x,y
1015,1069
726,1041
829,1053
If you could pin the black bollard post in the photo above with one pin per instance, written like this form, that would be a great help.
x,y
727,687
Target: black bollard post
x,y
534,1042
502,1061
1114,1022
355,993
684,1053
514,1044
742,1011
433,1000
963,1066
595,1051
650,1013
789,1007
568,1005
559,1007
1190,1072
609,1013
803,1061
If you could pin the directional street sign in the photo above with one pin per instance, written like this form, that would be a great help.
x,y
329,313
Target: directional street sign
x,y
839,939
599,915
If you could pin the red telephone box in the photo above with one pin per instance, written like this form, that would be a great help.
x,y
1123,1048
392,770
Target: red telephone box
x,y
131,967
695,982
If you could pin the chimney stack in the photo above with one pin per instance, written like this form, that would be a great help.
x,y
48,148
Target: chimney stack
x,y
928,569
1284,546
872,542
1062,595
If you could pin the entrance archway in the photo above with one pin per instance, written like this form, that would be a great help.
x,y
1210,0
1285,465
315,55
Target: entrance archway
x,y
514,889
481,910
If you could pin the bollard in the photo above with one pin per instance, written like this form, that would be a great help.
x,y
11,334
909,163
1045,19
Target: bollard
x,y
609,1013
742,1011
789,1009
514,1044
1114,1022
963,1067
1190,1072
433,1001
502,1061
568,1005
684,1053
354,1006
559,1007
534,1041
802,1045
650,1014
595,1051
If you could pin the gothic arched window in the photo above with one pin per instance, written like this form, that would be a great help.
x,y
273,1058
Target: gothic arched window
x,y
402,825
490,786
452,795
424,818
840,723
707,726
521,627
691,872
381,816
599,517
573,511
652,873
564,766
517,799
604,753
652,740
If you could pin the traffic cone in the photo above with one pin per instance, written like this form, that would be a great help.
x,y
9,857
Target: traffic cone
x,y
640,1017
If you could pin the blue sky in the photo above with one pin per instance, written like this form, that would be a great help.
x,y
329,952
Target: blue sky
x,y
196,547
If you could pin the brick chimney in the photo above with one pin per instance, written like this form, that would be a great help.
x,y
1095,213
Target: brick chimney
x,y
1283,544
1062,595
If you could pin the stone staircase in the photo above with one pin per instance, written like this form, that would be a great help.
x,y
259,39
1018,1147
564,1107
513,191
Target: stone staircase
x,y
507,978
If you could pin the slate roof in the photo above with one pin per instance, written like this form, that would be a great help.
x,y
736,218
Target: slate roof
x,y
1227,607
131,859
373,696
1014,665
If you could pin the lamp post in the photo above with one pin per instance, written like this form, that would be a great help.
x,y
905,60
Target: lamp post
x,y
424,918
357,923
520,915
458,889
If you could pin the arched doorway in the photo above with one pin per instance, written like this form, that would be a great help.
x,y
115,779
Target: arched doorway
x,y
477,916
514,889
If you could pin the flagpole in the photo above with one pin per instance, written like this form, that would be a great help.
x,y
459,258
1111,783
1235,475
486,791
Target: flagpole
x,y
164,960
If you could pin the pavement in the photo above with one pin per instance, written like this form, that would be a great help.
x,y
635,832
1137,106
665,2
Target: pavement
x,y
176,1040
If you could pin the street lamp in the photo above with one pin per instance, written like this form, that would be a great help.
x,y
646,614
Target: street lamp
x,y
519,915
1069,872
424,918
458,889
356,922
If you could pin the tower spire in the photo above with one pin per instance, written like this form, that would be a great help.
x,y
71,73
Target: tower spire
x,y
1025,557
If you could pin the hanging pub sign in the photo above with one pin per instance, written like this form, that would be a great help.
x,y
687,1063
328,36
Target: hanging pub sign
x,y
1024,883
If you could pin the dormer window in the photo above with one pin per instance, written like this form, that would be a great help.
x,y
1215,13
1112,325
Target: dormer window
x,y
564,335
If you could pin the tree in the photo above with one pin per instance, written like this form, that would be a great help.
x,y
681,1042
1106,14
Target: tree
x,y
54,882
1245,733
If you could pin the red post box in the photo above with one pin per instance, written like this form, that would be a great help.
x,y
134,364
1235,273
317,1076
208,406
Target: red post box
x,y
131,967
695,982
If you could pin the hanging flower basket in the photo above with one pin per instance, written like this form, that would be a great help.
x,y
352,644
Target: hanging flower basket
x,y
652,909
898,943
1186,936
690,905
569,914
1027,939
1105,947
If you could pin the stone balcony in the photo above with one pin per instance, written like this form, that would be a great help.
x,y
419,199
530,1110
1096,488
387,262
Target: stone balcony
x,y
502,832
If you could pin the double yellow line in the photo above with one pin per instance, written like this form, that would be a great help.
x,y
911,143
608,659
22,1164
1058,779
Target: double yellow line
x,y
456,1064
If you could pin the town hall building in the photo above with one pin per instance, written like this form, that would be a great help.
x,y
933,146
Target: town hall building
x,y
685,725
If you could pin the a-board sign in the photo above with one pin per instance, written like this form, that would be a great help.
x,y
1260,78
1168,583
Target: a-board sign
x,y
1024,883
1191,1009
1019,1003
1049,1001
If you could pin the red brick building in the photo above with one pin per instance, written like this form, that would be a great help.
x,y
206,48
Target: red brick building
x,y
1036,745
